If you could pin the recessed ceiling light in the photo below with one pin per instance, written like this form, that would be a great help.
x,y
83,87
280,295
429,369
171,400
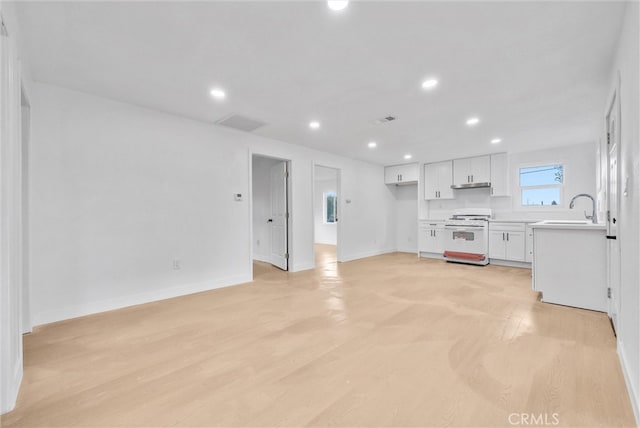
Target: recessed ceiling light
x,y
372,144
218,94
473,121
496,141
407,156
337,4
429,84
314,124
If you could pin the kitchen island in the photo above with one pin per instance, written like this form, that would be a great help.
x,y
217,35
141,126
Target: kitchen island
x,y
569,263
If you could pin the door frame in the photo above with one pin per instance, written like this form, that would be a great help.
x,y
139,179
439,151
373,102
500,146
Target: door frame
x,y
290,165
314,164
25,142
613,106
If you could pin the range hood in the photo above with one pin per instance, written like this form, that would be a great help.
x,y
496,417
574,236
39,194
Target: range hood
x,y
471,185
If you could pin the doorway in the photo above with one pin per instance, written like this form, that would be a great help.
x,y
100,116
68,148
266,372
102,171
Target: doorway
x,y
270,212
326,214
612,206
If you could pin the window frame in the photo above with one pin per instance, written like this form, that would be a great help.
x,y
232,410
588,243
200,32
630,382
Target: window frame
x,y
561,186
325,210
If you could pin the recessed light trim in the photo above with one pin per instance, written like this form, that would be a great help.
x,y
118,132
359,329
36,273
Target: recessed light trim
x,y
337,5
496,141
473,121
407,156
429,84
314,124
372,144
218,94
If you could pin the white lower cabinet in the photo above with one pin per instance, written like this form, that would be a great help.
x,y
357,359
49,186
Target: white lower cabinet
x,y
507,241
431,238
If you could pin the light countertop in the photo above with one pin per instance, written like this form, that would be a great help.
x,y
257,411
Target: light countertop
x,y
568,225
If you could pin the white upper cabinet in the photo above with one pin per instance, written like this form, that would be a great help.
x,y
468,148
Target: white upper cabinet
x,y
401,174
470,171
438,178
499,175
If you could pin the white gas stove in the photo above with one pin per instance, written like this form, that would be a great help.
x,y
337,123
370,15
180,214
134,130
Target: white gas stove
x,y
467,236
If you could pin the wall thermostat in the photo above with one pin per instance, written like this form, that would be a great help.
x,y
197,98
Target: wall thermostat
x,y
237,196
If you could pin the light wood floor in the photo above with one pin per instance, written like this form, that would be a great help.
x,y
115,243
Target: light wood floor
x,y
385,341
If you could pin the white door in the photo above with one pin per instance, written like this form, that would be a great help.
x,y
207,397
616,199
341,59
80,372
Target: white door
x,y
613,245
278,220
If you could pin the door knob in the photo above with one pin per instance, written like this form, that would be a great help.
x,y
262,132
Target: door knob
x,y
270,220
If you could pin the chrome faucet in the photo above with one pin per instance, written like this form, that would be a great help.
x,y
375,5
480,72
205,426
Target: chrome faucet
x,y
594,216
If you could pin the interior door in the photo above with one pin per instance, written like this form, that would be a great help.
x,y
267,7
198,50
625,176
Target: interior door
x,y
613,184
279,221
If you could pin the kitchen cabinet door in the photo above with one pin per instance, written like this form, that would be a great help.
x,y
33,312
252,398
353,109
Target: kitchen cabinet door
x,y
461,171
438,242
437,177
445,179
392,174
431,181
401,174
424,236
497,247
515,246
499,175
480,169
409,173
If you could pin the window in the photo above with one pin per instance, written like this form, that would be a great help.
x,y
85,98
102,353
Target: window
x,y
541,185
330,207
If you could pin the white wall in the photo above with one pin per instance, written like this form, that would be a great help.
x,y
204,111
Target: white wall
x,y
627,60
325,233
579,177
406,198
118,192
11,248
261,179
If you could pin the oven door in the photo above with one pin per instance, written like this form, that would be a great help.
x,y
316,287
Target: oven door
x,y
466,244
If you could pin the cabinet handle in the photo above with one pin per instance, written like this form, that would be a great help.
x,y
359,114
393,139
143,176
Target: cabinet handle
x,y
507,236
503,236
472,178
400,177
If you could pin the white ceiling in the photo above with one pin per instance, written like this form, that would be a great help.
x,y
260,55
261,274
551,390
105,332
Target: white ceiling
x,y
536,73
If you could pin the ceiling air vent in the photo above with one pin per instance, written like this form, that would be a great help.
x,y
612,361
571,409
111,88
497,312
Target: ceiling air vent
x,y
386,119
241,123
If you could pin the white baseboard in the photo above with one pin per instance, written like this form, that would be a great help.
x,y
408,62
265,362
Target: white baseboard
x,y
366,254
261,258
135,299
407,250
301,267
510,263
426,255
633,396
12,389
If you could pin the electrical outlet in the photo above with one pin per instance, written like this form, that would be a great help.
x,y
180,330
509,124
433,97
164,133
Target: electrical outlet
x,y
176,264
